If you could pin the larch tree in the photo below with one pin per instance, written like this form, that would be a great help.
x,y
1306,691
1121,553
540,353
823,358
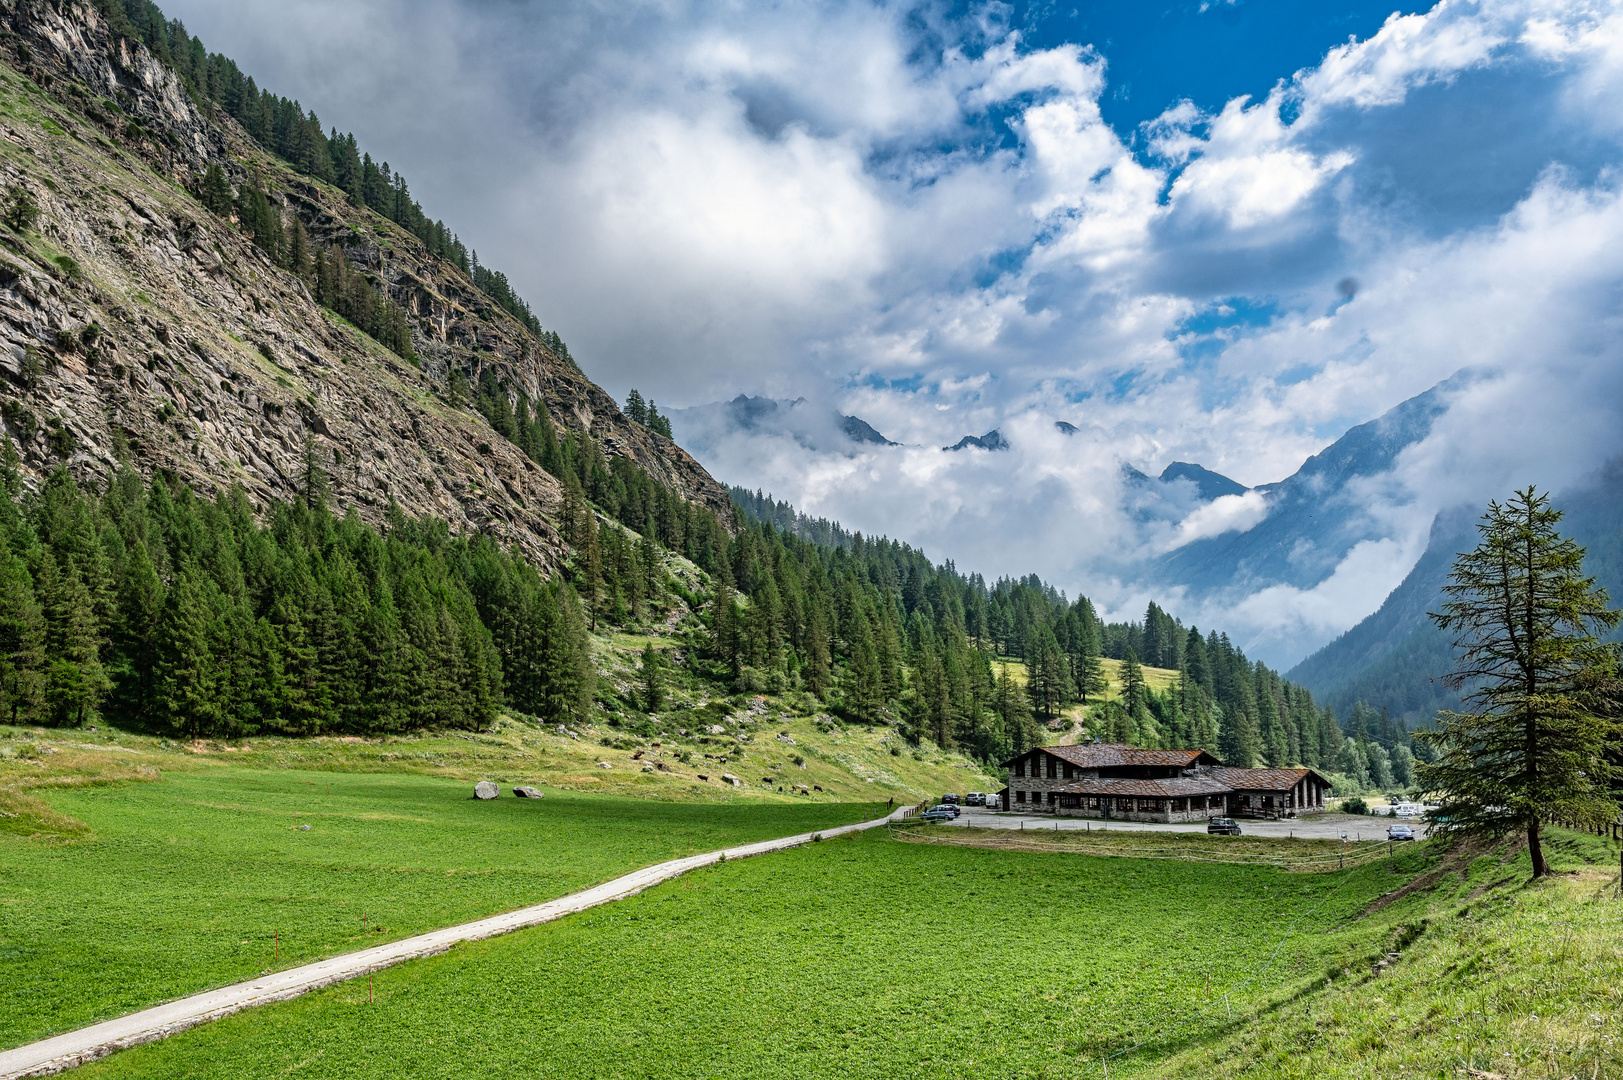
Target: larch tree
x,y
1531,746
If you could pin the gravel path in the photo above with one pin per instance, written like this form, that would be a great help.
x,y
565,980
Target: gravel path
x,y
73,1048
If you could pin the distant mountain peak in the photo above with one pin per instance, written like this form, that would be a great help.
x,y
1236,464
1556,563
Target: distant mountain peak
x,y
1065,427
992,440
860,431
1211,485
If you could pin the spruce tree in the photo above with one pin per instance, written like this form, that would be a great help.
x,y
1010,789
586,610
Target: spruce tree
x,y
215,193
22,643
1526,624
653,679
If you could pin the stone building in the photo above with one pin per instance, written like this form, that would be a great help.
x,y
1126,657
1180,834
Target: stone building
x,y
1109,780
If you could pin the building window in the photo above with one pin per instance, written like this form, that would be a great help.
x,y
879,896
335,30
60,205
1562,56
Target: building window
x,y
1053,769
1019,796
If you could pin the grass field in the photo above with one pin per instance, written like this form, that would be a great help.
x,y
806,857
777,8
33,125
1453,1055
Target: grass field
x,y
855,958
150,891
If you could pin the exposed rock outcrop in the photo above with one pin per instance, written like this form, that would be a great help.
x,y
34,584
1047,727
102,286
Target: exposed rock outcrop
x,y
130,316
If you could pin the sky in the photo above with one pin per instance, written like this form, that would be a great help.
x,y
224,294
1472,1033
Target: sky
x,y
1210,231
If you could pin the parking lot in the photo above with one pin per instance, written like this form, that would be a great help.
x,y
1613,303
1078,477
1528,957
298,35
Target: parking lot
x,y
1314,826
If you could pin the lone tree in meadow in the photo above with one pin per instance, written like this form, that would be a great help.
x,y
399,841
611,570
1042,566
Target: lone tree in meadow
x,y
1533,744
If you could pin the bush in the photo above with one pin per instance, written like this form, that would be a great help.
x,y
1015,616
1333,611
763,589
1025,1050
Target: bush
x,y
1354,805
18,209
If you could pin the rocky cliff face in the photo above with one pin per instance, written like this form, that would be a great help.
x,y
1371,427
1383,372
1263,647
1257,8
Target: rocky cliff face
x,y
130,316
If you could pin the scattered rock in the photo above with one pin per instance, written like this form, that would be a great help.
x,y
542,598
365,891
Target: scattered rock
x,y
304,828
527,792
785,737
715,729
729,778
604,765
647,767
484,789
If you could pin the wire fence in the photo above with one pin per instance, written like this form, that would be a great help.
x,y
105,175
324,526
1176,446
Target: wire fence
x,y
1355,855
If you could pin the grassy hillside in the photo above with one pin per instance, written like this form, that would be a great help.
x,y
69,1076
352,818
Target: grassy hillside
x,y
1068,727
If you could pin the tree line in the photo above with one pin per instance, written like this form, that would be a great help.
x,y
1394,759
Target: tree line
x,y
882,632
159,610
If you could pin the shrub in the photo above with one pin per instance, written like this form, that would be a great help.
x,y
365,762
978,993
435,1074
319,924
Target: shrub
x,y
1354,805
18,209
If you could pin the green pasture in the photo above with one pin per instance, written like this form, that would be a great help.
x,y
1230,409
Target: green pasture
x,y
854,958
164,889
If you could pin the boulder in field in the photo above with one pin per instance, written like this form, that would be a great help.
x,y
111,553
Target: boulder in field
x,y
484,789
729,778
527,792
604,765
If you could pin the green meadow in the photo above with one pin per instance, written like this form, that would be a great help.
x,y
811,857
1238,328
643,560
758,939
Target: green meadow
x,y
854,958
207,877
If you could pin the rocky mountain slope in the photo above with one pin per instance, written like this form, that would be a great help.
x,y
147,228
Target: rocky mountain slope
x,y
135,323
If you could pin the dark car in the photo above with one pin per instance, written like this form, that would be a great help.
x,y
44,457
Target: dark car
x,y
1399,832
1223,826
939,813
950,799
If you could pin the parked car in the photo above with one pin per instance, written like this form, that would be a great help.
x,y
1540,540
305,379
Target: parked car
x,y
1399,832
949,808
1223,826
975,798
950,799
938,813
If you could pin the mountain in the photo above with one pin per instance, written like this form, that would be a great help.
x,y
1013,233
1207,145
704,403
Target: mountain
x,y
137,324
1316,516
704,426
992,440
860,431
1393,658
1209,485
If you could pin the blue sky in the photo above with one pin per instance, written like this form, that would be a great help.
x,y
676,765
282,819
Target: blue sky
x,y
1220,236
1204,51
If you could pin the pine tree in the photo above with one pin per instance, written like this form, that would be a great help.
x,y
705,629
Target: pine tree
x,y
215,193
75,681
636,408
653,679
1526,626
22,643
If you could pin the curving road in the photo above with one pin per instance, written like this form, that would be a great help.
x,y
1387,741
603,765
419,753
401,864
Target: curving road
x,y
62,1052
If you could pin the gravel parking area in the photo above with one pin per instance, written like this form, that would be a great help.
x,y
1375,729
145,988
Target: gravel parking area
x,y
1314,826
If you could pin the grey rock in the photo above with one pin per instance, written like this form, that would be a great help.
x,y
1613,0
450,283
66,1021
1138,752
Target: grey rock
x,y
304,828
527,792
729,778
484,789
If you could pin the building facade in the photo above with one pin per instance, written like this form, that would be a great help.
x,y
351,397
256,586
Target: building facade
x,y
1109,780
